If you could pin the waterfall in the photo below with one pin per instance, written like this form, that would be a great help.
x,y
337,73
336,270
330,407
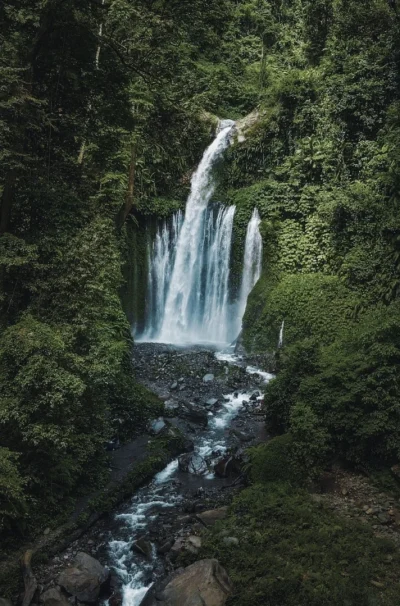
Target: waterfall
x,y
188,299
161,257
195,306
252,264
280,342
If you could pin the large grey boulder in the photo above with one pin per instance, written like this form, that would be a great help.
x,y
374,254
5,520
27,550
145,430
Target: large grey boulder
x,y
212,516
53,597
85,578
204,583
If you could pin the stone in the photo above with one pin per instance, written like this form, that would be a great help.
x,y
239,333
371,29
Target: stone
x,y
204,583
384,518
85,578
174,386
171,406
195,414
53,597
227,466
156,426
212,402
243,437
209,378
192,463
46,532
193,544
230,541
143,547
212,516
165,547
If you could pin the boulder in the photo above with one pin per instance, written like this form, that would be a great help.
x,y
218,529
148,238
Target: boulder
x,y
53,597
193,544
143,547
195,414
211,517
212,402
156,426
165,547
209,378
204,583
227,466
85,578
174,386
241,435
192,463
170,407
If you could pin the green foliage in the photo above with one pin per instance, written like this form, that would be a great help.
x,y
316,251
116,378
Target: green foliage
x,y
271,462
12,497
293,552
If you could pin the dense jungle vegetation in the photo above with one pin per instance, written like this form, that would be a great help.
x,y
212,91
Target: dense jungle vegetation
x,y
105,109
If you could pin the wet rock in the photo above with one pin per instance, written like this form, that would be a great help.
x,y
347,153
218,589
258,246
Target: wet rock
x,y
192,463
156,426
241,435
211,517
212,402
227,466
53,597
195,414
204,583
85,578
165,547
171,407
209,378
174,386
143,547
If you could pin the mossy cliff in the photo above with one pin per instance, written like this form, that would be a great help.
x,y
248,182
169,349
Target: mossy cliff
x,y
321,162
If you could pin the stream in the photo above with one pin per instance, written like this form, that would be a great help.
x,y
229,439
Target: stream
x,y
157,511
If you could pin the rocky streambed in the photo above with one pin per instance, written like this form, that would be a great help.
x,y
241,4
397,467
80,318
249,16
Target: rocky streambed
x,y
215,401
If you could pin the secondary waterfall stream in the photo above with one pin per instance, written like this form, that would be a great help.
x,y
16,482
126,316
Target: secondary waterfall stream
x,y
188,291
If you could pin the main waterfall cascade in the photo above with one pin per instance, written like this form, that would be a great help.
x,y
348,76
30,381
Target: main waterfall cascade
x,y
188,298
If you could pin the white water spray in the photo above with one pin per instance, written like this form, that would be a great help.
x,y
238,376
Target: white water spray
x,y
280,342
252,264
161,257
195,307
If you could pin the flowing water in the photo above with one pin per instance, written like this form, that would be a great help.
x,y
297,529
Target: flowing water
x,y
188,303
189,299
252,264
165,494
161,262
